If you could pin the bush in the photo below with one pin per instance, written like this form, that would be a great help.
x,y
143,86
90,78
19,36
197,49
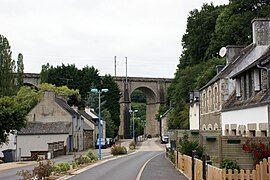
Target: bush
x,y
187,146
74,165
57,169
229,164
132,145
171,156
64,167
118,150
83,160
92,157
43,170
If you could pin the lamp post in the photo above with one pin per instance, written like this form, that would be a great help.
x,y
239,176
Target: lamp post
x,y
160,127
99,120
133,126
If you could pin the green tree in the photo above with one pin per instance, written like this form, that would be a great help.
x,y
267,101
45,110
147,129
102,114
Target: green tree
x,y
84,79
194,69
20,70
111,99
233,25
13,111
7,66
110,126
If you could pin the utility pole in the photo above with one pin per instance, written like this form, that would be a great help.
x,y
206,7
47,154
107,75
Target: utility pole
x,y
126,73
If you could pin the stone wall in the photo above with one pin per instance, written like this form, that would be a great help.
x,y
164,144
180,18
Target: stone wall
x,y
220,147
88,139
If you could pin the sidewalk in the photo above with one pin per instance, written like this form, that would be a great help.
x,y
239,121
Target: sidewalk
x,y
106,153
160,168
12,165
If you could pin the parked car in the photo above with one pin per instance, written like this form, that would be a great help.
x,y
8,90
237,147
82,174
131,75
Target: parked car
x,y
109,142
102,143
165,139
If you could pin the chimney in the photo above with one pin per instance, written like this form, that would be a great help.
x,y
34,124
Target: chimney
x,y
261,31
49,95
219,68
87,110
232,52
63,98
75,108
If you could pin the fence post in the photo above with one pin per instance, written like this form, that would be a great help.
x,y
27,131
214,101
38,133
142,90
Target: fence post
x,y
193,164
204,165
177,159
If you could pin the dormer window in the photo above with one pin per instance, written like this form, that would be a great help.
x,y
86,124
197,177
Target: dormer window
x,y
257,84
238,87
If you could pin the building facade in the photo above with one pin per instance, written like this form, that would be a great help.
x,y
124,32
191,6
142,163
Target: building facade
x,y
246,112
51,120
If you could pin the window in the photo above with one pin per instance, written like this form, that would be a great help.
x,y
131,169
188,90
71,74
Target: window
x,y
215,126
215,95
204,127
252,133
249,79
238,87
257,83
210,127
263,133
233,132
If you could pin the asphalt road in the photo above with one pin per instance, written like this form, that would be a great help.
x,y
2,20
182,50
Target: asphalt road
x,y
125,168
150,156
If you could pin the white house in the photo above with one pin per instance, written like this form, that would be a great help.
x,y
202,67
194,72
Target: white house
x,y
51,124
246,112
194,110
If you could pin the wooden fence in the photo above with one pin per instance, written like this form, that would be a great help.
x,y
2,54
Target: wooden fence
x,y
184,164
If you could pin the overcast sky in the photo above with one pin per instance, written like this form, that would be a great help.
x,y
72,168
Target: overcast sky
x,y
92,32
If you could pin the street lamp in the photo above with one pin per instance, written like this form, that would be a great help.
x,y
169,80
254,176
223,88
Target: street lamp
x,y
133,126
160,127
99,120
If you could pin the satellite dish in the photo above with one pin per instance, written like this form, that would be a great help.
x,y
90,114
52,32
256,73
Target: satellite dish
x,y
222,51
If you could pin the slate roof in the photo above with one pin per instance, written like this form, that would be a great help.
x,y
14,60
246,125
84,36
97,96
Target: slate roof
x,y
86,126
230,67
46,128
93,117
65,106
263,57
248,59
88,117
260,99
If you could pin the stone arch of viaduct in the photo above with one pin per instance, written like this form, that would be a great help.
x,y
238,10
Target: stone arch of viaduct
x,y
155,90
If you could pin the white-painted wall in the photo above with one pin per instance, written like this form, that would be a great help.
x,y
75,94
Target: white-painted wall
x,y
29,143
194,117
245,116
9,145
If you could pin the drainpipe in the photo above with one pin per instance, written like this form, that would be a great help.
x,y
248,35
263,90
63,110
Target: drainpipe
x,y
267,70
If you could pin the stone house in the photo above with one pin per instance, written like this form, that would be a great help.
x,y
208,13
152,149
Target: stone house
x,y
51,121
215,93
90,133
246,112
